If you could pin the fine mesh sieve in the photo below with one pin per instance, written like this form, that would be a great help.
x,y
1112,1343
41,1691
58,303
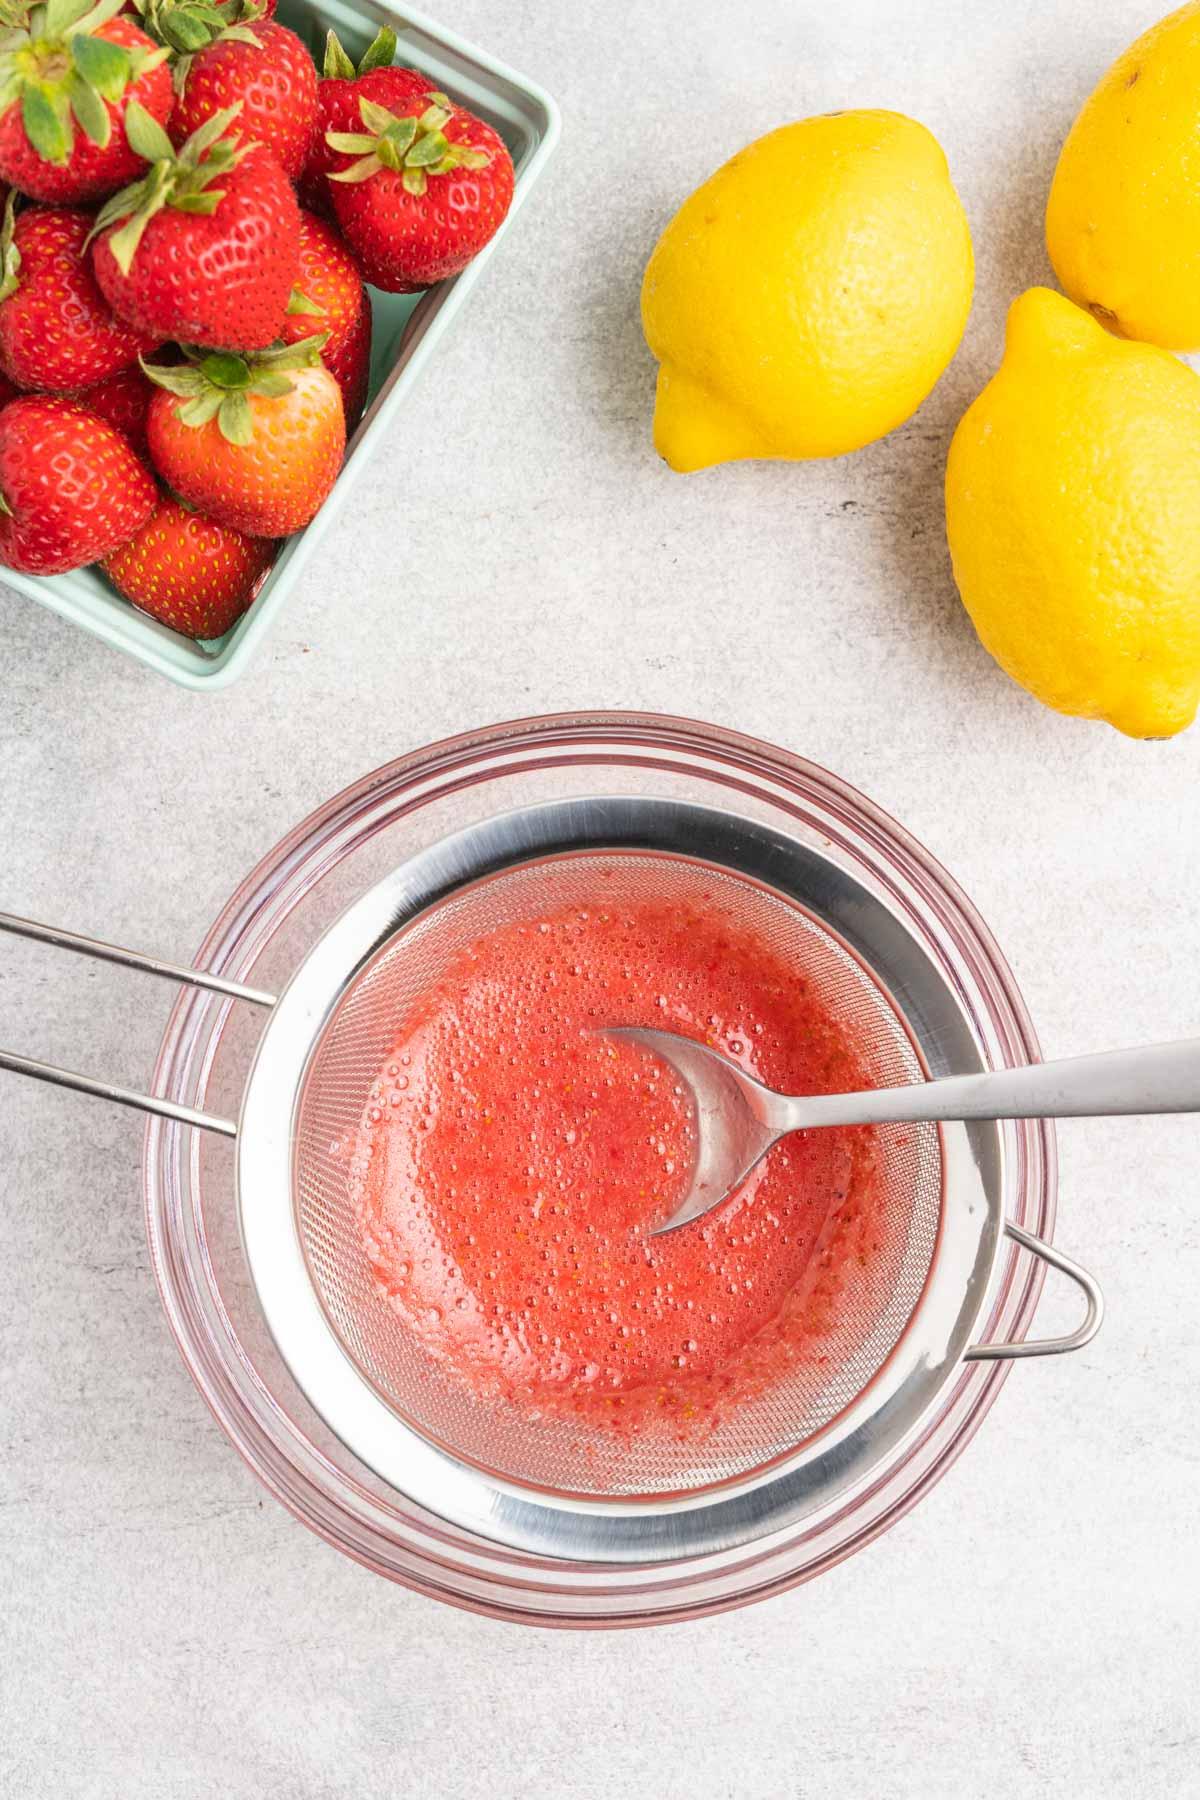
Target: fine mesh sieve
x,y
538,1485
566,1454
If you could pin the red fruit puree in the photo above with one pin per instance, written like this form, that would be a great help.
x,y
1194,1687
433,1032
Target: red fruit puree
x,y
514,1162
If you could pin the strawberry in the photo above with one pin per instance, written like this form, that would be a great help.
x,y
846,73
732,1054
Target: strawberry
x,y
123,400
338,96
56,328
194,575
329,297
256,443
418,191
182,258
71,488
269,71
66,84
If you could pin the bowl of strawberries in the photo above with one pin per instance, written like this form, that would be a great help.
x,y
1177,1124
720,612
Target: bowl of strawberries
x,y
232,237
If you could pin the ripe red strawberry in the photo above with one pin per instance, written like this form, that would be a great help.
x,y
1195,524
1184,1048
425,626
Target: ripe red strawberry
x,y
57,330
206,264
267,69
194,575
338,95
123,400
329,297
65,86
71,489
418,191
254,443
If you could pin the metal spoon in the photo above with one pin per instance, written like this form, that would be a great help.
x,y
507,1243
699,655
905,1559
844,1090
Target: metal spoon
x,y
738,1119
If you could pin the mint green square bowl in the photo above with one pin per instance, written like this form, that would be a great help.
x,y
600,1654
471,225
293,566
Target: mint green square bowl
x,y
407,328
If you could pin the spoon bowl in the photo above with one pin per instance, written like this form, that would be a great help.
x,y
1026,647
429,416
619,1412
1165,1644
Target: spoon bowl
x,y
738,1118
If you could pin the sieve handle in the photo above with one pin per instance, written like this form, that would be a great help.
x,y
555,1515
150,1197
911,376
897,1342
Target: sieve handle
x,y
1075,1340
148,965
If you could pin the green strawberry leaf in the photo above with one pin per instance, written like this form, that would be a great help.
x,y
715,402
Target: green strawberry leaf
x,y
429,148
225,369
359,171
118,207
60,15
299,302
10,256
235,419
206,135
188,383
185,31
337,65
103,66
351,143
415,181
146,136
141,62
380,54
377,118
94,17
94,118
403,134
202,409
302,355
205,202
136,205
123,244
271,387
5,508
48,129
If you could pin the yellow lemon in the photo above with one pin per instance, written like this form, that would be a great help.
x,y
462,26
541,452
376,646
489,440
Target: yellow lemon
x,y
1123,222
1073,513
805,300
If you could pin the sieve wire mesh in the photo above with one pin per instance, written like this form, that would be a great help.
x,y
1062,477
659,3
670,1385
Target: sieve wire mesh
x,y
563,1454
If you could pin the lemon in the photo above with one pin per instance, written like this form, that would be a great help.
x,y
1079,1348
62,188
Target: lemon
x,y
1073,513
1123,221
805,300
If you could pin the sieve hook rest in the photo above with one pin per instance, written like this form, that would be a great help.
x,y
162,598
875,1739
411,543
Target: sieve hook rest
x,y
1075,1340
148,965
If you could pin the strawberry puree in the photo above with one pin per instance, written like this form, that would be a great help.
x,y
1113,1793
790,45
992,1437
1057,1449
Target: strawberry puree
x,y
514,1162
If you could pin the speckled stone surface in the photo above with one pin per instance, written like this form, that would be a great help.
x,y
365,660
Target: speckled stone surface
x,y
1032,1628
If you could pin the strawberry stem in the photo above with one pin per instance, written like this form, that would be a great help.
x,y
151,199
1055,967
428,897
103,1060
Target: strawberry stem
x,y
413,147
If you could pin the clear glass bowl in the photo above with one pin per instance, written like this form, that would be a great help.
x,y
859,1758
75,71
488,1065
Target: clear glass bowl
x,y
266,929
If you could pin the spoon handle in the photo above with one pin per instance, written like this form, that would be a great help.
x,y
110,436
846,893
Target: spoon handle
x,y
1154,1078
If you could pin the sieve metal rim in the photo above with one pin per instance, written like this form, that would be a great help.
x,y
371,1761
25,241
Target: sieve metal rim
x,y
823,1472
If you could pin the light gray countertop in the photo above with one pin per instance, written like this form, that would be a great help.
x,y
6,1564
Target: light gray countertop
x,y
1032,1629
